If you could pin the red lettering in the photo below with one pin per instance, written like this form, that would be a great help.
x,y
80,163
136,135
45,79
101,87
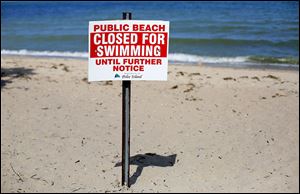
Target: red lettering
x,y
96,27
98,61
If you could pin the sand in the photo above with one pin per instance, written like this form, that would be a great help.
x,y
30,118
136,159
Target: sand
x,y
204,130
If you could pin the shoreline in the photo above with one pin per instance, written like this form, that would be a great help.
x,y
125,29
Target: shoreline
x,y
252,65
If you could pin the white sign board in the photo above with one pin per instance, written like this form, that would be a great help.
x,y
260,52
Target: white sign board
x,y
128,50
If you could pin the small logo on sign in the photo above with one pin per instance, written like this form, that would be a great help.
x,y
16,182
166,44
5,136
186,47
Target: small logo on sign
x,y
117,75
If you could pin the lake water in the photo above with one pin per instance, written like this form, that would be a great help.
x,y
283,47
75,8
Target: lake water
x,y
228,33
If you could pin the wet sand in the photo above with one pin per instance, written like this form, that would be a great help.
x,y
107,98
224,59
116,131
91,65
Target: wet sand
x,y
204,130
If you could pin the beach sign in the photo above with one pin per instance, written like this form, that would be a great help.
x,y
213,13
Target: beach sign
x,y
128,50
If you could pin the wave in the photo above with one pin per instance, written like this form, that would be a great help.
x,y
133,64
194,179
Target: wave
x,y
180,57
173,57
278,60
235,42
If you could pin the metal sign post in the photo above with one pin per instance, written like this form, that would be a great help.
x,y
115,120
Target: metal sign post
x,y
126,90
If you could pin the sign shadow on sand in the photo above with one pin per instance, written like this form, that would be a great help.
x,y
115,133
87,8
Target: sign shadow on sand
x,y
146,160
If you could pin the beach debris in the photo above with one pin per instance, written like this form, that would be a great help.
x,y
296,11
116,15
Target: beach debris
x,y
192,74
255,77
83,142
34,177
45,108
272,77
188,90
267,176
99,103
278,95
20,178
193,99
41,179
244,77
180,73
191,87
220,157
77,161
174,87
110,83
85,80
229,78
263,98
76,190
272,139
54,67
66,69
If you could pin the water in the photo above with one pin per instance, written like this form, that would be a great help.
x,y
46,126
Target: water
x,y
228,33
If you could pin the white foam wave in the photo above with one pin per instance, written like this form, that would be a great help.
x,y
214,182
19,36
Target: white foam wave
x,y
173,57
180,57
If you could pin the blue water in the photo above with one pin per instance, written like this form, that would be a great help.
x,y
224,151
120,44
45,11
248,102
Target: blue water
x,y
267,31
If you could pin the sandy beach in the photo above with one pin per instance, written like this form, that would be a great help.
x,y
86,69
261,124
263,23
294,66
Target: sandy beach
x,y
204,130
